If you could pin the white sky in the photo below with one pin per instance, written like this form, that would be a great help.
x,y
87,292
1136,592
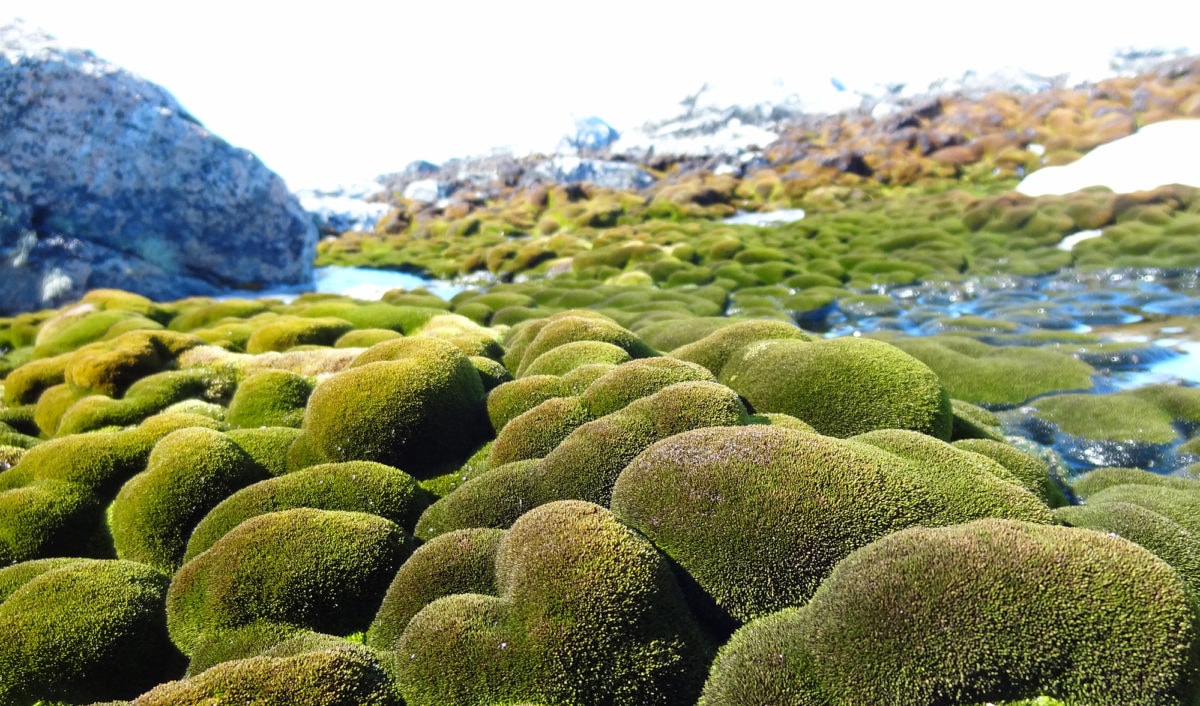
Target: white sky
x,y
346,90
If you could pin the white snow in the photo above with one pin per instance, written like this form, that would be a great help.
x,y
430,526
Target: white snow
x,y
1068,243
1156,155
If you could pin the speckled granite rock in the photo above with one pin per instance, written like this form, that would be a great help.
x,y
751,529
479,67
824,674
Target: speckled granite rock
x,y
106,181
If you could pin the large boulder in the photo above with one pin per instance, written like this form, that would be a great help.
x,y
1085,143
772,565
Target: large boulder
x,y
106,181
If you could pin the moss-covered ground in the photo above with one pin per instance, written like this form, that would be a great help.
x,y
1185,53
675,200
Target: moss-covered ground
x,y
657,459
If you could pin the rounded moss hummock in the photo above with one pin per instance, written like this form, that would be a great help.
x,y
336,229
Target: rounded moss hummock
x,y
637,379
423,412
344,675
509,400
841,386
987,611
714,350
321,569
758,515
535,432
997,375
456,562
86,631
358,486
269,398
188,473
587,612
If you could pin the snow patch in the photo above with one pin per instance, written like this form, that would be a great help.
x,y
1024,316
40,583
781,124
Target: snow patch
x,y
1156,155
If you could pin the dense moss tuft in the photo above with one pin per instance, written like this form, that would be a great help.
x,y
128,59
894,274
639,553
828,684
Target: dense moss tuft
x,y
358,486
344,675
456,562
320,569
269,398
757,516
841,386
423,412
188,473
85,631
587,612
986,611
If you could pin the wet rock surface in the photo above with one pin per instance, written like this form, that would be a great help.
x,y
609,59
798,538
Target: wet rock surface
x,y
105,180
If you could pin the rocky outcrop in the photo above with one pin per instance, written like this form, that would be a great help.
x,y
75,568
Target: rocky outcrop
x,y
106,181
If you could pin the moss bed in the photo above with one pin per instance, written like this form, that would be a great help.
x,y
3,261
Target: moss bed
x,y
632,468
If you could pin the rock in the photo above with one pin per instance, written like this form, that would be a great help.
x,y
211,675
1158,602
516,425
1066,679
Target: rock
x,y
343,207
610,175
106,181
592,134
424,190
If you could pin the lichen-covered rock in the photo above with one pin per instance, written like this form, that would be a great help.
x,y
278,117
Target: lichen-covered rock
x,y
111,183
85,631
424,411
321,569
355,486
841,386
757,516
188,473
586,612
987,611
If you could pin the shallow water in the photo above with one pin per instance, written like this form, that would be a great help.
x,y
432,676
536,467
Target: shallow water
x,y
1156,311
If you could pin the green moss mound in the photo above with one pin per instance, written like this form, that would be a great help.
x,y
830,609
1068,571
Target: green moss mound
x,y
587,612
1100,479
757,516
586,463
284,332
714,350
509,400
242,642
637,379
976,372
1031,473
1147,414
841,386
571,327
27,382
1180,505
535,433
269,398
85,631
109,367
266,446
320,569
188,473
974,422
986,611
357,486
345,675
1166,538
424,412
455,562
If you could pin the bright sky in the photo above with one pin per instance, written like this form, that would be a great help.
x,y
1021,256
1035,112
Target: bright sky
x,y
343,91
